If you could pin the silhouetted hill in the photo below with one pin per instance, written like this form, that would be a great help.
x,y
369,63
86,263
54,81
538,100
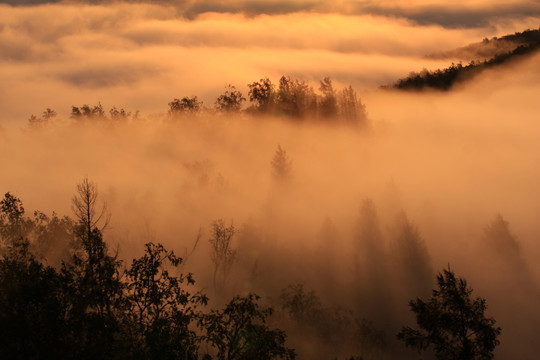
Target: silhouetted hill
x,y
489,48
444,79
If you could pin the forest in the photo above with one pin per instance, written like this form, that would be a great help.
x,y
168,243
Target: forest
x,y
65,294
524,44
228,256
228,180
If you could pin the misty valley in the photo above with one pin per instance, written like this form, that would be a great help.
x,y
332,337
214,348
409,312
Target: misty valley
x,y
322,205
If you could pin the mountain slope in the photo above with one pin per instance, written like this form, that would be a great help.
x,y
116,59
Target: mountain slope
x,y
524,44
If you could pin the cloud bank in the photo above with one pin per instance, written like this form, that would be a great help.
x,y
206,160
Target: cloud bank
x,y
452,15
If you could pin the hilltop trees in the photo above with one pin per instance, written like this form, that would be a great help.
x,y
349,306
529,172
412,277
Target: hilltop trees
x,y
262,95
184,106
35,122
294,99
230,101
328,103
87,113
452,322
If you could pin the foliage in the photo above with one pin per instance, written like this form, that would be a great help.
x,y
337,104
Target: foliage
x,y
97,112
411,258
335,327
31,308
87,112
230,101
452,323
185,106
92,307
350,108
159,310
295,98
328,103
84,206
445,79
292,98
14,227
35,122
239,332
281,165
222,252
263,95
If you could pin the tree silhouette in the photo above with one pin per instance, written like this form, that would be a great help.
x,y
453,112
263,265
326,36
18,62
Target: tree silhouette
x,y
184,106
230,101
92,278
452,323
262,94
160,310
223,254
350,108
31,308
87,112
14,227
295,98
239,332
35,122
84,206
281,165
411,258
328,104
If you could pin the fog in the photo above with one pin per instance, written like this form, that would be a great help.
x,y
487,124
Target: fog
x,y
141,56
367,216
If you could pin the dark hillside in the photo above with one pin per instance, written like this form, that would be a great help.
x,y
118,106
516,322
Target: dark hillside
x,y
445,79
489,48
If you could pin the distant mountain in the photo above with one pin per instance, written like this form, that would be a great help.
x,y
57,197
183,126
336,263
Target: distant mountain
x,y
502,50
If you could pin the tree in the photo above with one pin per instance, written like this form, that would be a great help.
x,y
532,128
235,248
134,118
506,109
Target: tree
x,y
160,310
31,308
452,323
35,122
328,103
185,106
84,206
350,108
262,94
295,98
223,254
239,332
14,227
91,279
281,165
31,303
87,112
120,114
230,101
411,258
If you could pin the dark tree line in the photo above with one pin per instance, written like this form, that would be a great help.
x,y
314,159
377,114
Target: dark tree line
x,y
91,305
86,303
445,79
291,98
